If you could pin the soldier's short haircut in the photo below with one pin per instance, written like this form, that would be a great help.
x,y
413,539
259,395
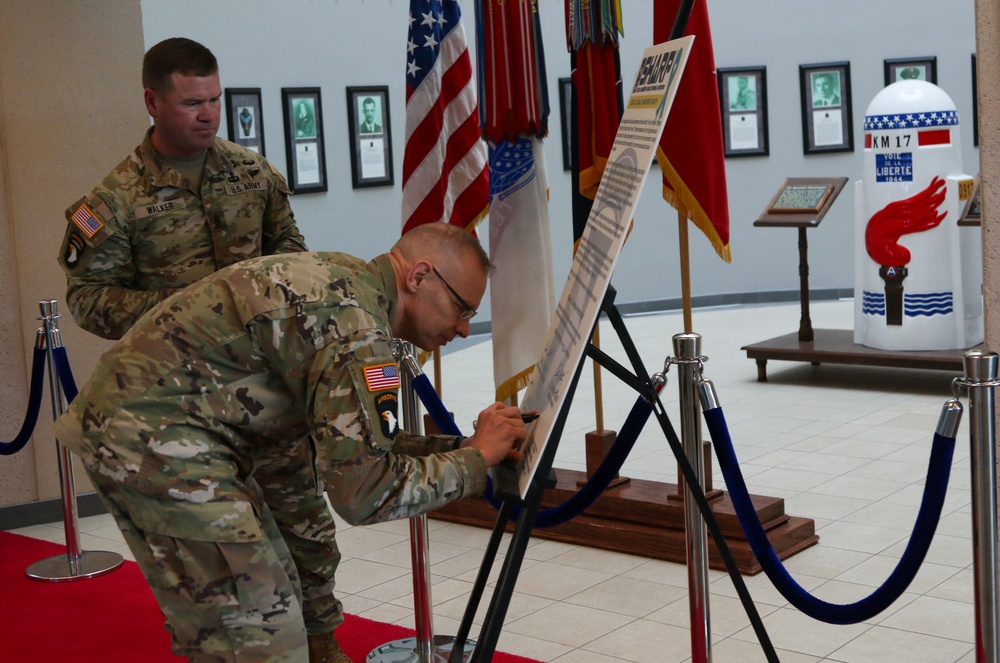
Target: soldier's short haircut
x,y
443,239
177,54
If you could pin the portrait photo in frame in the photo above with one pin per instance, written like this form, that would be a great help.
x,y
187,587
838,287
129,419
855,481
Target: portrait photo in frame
x,y
304,139
244,118
370,136
566,120
743,100
901,69
826,107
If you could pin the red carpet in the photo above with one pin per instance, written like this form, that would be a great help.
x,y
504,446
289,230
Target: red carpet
x,y
113,618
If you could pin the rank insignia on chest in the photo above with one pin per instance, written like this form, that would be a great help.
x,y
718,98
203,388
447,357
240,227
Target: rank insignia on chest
x,y
382,377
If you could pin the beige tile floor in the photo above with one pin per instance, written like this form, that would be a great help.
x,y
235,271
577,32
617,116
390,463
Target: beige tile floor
x,y
845,446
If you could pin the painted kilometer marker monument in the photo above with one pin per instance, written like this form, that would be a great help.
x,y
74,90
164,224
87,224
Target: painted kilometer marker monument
x,y
918,274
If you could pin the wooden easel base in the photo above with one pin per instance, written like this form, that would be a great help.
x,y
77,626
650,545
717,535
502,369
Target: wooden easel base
x,y
647,518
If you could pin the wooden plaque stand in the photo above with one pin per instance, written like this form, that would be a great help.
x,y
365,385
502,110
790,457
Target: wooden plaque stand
x,y
834,346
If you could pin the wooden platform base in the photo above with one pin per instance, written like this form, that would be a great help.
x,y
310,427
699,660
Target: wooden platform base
x,y
647,518
837,346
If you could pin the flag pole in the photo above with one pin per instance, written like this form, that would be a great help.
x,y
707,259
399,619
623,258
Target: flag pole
x,y
437,371
682,241
680,24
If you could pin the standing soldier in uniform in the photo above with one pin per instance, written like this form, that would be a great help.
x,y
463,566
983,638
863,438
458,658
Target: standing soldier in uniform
x,y
182,205
174,422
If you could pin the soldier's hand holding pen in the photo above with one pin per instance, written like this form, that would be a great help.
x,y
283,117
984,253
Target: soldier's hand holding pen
x,y
499,430
525,418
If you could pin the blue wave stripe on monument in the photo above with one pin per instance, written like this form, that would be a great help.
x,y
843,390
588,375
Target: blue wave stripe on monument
x,y
872,303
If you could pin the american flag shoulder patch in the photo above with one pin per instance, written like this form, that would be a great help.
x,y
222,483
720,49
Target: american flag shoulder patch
x,y
86,220
382,377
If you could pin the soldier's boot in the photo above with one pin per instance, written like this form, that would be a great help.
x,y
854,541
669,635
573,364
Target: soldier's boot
x,y
324,648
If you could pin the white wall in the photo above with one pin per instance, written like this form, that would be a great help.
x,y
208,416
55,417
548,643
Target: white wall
x,y
333,44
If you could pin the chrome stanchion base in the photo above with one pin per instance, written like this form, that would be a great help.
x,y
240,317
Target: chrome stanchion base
x,y
405,651
63,568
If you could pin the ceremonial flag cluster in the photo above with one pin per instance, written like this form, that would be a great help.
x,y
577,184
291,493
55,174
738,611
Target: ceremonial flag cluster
x,y
445,175
592,30
515,113
691,152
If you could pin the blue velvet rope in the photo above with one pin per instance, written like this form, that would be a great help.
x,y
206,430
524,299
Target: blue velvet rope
x,y
582,499
34,402
65,373
938,472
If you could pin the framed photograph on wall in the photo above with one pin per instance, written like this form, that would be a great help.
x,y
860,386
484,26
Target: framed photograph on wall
x,y
566,120
370,138
972,212
826,107
743,99
901,69
304,139
245,118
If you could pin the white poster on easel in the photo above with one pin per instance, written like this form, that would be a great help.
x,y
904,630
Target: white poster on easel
x,y
642,123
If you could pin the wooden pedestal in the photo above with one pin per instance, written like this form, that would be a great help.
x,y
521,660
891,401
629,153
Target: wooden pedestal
x,y
837,346
641,518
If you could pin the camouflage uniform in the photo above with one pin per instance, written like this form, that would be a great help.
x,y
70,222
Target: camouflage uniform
x,y
142,235
172,424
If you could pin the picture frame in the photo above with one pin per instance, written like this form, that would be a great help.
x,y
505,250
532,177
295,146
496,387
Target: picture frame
x,y
370,136
972,213
566,120
975,104
825,90
304,139
921,69
743,101
245,118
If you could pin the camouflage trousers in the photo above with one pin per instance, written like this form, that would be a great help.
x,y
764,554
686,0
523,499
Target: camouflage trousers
x,y
240,601
288,479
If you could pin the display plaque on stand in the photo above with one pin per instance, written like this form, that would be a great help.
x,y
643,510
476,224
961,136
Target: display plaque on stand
x,y
801,203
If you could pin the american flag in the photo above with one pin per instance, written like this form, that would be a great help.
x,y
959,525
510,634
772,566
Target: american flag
x,y
86,221
383,376
445,176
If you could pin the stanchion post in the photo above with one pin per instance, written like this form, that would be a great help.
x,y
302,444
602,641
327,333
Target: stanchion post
x,y
981,377
76,564
687,349
419,551
426,647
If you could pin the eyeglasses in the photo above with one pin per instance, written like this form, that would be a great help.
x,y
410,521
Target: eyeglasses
x,y
467,311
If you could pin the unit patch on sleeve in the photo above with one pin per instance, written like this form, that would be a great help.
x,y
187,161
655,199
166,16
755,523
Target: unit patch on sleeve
x,y
382,377
388,412
74,249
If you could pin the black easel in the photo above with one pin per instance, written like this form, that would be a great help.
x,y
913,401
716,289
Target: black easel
x,y
506,490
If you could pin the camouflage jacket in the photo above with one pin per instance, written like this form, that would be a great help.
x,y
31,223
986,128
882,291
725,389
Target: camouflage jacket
x,y
142,233
261,354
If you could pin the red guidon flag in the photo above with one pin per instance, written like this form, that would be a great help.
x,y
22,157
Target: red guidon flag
x,y
445,176
691,153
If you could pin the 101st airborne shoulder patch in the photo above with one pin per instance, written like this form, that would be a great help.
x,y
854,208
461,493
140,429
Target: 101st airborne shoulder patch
x,y
388,413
